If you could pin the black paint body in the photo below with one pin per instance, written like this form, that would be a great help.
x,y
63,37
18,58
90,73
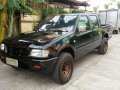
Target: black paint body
x,y
74,42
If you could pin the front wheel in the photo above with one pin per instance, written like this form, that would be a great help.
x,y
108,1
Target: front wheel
x,y
64,68
102,49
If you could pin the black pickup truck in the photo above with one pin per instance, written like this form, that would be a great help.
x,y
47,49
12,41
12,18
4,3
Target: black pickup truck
x,y
54,45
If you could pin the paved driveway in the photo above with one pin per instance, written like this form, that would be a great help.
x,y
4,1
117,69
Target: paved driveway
x,y
91,72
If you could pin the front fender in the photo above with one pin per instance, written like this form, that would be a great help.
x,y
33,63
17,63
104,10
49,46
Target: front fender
x,y
67,48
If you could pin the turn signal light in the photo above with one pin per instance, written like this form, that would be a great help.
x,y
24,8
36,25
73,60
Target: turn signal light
x,y
36,66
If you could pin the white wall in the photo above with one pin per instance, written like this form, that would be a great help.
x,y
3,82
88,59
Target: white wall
x,y
28,21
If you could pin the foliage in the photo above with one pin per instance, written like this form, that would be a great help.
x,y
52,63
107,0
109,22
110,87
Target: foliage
x,y
11,7
1,6
16,5
78,11
39,1
51,12
118,4
106,6
61,11
95,9
3,15
48,12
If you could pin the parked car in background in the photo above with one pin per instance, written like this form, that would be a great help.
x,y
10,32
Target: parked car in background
x,y
55,44
112,18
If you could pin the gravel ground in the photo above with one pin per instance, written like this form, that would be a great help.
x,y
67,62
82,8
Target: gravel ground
x,y
91,72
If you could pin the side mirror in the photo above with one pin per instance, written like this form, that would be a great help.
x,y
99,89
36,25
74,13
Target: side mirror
x,y
106,26
81,28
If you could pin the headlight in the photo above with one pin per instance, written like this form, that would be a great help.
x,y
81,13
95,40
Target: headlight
x,y
39,53
2,47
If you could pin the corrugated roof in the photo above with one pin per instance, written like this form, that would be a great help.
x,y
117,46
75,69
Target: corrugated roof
x,y
72,2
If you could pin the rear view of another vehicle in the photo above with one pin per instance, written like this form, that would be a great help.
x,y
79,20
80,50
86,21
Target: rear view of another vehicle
x,y
110,18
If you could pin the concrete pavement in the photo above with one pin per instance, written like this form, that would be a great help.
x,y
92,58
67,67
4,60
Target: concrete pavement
x,y
91,72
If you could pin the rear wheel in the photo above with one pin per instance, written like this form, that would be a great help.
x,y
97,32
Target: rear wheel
x,y
64,68
115,32
102,49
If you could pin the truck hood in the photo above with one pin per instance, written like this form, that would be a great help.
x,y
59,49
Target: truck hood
x,y
34,38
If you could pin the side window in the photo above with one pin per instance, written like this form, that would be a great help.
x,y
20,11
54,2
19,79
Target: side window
x,y
83,24
94,21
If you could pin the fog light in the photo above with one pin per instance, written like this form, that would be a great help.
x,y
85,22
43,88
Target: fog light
x,y
36,66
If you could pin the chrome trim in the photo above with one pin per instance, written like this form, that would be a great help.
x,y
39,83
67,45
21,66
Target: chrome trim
x,y
45,60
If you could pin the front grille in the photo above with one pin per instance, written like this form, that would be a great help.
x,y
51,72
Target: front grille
x,y
17,51
23,65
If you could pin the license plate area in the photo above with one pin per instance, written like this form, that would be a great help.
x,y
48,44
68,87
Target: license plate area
x,y
12,62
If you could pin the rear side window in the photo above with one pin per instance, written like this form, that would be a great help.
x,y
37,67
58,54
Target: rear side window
x,y
94,21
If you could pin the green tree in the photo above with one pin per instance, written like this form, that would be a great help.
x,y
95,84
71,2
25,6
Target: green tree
x,y
12,6
49,11
95,9
118,4
16,5
78,11
106,6
3,15
61,11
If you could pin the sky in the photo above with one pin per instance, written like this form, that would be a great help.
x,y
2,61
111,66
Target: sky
x,y
101,3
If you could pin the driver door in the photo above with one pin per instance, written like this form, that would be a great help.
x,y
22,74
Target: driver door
x,y
83,36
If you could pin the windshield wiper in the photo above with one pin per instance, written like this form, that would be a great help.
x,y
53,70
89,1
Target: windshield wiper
x,y
58,30
39,30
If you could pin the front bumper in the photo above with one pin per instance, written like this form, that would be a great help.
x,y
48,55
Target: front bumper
x,y
46,64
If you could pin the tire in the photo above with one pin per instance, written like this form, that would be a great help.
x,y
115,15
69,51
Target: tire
x,y
63,69
115,32
102,49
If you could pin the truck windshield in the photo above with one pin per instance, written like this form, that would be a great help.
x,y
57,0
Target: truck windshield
x,y
58,23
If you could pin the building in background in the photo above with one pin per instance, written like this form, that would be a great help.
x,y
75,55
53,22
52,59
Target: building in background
x,y
29,21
